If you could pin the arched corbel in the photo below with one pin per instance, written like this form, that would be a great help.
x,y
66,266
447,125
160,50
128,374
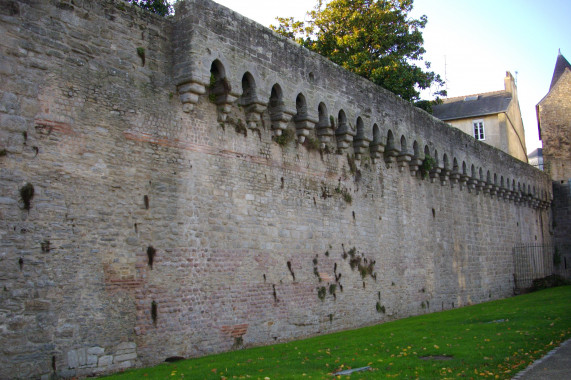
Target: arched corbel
x,y
303,122
189,92
344,132
361,141
377,146
436,169
404,157
324,127
391,151
487,187
250,102
445,171
464,177
280,115
454,174
416,160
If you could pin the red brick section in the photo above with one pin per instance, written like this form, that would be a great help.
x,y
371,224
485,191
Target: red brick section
x,y
48,126
214,151
235,331
115,281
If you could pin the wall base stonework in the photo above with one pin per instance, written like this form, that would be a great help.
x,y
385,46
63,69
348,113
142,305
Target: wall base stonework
x,y
561,207
169,220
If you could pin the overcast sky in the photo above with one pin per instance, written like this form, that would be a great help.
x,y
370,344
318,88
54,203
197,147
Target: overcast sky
x,y
473,43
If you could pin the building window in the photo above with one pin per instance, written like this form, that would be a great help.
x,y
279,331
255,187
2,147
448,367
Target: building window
x,y
479,130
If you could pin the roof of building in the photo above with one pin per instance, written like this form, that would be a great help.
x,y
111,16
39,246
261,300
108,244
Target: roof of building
x,y
560,65
460,107
536,153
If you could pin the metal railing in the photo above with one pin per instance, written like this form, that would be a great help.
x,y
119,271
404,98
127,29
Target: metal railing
x,y
531,262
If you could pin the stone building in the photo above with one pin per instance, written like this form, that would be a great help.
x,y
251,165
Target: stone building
x,y
554,124
535,158
491,117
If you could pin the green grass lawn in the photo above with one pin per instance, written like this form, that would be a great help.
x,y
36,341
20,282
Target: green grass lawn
x,y
491,340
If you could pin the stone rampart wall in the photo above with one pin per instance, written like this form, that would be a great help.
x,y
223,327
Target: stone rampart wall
x,y
167,221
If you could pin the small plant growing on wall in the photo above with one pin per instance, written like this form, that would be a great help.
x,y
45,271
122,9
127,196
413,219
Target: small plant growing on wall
x,y
312,144
332,289
380,308
321,293
355,262
285,138
345,194
427,165
361,263
26,195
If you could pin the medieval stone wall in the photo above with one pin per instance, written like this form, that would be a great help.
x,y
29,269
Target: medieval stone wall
x,y
181,207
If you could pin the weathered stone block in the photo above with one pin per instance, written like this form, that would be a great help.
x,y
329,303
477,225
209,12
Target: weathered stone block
x,y
105,361
91,359
72,359
13,123
7,201
126,346
124,357
95,350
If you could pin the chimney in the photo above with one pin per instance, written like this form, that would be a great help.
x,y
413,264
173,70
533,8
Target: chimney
x,y
509,83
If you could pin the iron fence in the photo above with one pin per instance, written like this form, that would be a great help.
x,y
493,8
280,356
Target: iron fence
x,y
535,261
532,261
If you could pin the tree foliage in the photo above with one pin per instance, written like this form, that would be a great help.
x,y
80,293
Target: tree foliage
x,y
160,7
373,38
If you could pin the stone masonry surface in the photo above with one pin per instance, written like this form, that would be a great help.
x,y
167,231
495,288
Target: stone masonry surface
x,y
195,184
554,113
